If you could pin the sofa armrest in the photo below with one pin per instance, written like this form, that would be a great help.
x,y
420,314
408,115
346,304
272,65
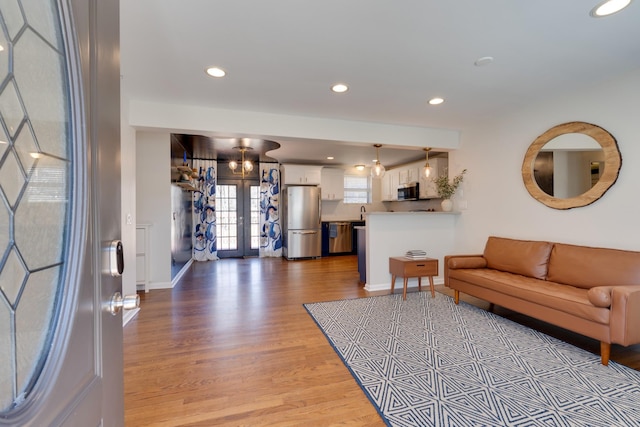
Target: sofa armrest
x,y
467,262
462,261
625,315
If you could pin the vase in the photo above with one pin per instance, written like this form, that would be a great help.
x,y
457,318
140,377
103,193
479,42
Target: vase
x,y
447,205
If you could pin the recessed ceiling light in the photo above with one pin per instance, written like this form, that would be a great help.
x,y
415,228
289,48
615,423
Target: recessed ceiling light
x,y
216,72
485,60
360,167
330,158
609,7
436,101
339,88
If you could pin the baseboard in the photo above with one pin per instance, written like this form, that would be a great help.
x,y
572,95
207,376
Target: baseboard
x,y
174,281
183,270
160,285
127,315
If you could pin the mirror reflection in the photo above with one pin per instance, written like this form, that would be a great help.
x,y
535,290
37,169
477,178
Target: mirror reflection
x,y
569,165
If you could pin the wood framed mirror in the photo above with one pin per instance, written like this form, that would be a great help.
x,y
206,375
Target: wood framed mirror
x,y
600,165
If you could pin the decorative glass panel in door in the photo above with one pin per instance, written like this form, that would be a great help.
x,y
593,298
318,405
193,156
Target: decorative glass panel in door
x,y
35,195
238,218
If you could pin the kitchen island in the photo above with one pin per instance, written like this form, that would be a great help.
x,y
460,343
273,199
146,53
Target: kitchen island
x,y
392,234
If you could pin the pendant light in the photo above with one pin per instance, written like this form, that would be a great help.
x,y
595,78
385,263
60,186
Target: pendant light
x,y
427,170
247,166
377,171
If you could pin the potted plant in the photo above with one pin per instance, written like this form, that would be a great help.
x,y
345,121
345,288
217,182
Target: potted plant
x,y
446,189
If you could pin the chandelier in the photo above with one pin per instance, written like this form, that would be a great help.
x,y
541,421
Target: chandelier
x,y
245,166
377,171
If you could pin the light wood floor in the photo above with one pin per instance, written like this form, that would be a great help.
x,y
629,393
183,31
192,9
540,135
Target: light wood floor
x,y
232,345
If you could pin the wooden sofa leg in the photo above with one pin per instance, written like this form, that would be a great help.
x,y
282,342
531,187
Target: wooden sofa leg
x,y
605,352
456,296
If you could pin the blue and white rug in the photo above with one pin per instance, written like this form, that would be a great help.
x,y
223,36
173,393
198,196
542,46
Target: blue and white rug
x,y
429,362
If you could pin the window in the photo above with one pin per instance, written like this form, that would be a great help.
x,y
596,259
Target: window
x,y
357,189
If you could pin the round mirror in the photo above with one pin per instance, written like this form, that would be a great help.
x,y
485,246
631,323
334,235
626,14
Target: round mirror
x,y
571,165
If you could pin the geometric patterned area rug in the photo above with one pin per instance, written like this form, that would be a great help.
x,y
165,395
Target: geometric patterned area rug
x,y
430,362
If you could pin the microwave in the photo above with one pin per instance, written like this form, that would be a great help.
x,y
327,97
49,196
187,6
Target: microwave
x,y
408,191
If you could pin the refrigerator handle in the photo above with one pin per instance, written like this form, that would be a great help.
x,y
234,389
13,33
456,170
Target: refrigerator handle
x,y
319,206
305,232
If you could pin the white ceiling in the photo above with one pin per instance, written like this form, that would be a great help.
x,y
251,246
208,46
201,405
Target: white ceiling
x,y
282,56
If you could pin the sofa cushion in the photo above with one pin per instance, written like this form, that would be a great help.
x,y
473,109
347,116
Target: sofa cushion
x,y
586,267
528,258
568,299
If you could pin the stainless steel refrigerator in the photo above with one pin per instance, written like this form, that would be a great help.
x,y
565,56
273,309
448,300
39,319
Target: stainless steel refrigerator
x,y
302,222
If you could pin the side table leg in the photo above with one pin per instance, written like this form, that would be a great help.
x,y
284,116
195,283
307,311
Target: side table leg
x,y
393,282
404,291
419,283
433,290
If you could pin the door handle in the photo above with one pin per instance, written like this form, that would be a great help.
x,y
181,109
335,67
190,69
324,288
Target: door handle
x,y
128,302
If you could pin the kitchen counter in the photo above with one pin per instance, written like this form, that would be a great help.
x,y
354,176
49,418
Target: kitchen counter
x,y
341,220
394,213
415,213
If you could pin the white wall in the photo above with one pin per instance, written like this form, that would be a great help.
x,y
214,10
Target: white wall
x,y
153,194
499,204
128,202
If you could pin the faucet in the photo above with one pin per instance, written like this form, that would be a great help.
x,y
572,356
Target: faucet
x,y
362,210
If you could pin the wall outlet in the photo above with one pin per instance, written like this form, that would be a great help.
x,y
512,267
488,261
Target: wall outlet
x,y
129,219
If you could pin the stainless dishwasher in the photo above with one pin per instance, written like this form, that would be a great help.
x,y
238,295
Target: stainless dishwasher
x,y
340,237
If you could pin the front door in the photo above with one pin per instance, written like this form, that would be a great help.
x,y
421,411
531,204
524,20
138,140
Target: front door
x,y
60,345
237,217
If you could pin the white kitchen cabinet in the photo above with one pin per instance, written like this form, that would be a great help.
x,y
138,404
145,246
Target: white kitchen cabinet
x,y
409,174
390,182
300,174
427,186
332,184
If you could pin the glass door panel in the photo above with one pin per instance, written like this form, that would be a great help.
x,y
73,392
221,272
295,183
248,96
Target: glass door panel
x,y
238,218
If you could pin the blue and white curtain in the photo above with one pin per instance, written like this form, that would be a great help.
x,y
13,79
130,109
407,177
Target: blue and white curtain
x,y
204,211
270,228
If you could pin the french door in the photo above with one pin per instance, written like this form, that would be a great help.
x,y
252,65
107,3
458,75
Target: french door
x,y
238,218
60,345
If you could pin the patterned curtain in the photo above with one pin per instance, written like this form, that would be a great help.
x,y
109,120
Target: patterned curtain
x,y
204,211
270,229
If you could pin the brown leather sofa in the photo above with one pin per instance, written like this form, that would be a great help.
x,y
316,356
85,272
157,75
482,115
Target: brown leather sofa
x,y
592,291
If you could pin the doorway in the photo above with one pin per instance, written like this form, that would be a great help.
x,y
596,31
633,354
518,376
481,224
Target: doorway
x,y
238,218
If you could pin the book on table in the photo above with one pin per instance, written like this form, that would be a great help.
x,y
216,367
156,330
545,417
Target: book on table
x,y
416,254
